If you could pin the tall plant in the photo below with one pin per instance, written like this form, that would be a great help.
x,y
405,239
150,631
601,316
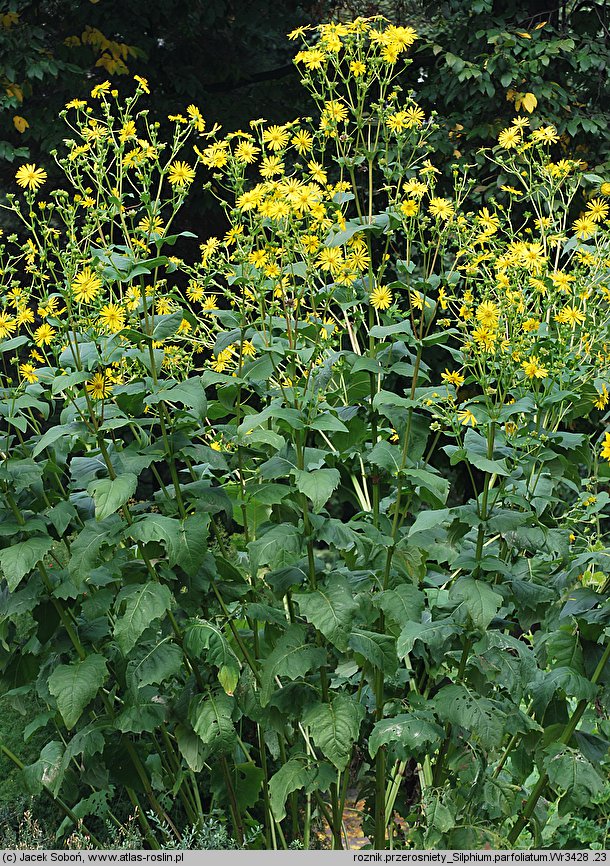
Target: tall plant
x,y
317,507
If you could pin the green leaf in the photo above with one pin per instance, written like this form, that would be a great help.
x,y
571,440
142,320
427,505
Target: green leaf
x,y
54,433
166,326
74,685
191,747
205,641
294,775
476,602
143,712
570,771
457,705
330,608
86,547
412,732
211,717
109,494
20,558
192,544
427,520
401,605
292,657
144,605
335,727
277,548
386,456
377,649
156,664
435,634
318,486
47,770
157,527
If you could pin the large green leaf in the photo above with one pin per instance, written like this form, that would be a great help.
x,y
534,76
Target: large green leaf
x,y
476,602
192,543
143,712
318,486
144,604
205,642
191,747
411,732
294,775
401,605
277,548
157,527
570,772
211,717
47,770
155,664
457,705
334,728
109,494
378,650
74,685
433,633
86,547
20,558
330,608
292,657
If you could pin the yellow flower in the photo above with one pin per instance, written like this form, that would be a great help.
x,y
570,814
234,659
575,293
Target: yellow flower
x,y
465,417
317,171
330,259
302,141
112,318
441,208
312,59
381,298
597,210
584,227
100,89
128,131
143,83
488,314
30,177
195,115
335,111
222,360
85,286
570,316
210,303
76,103
509,137
452,378
602,399
44,334
7,325
276,137
357,68
99,386
246,152
530,325
409,207
150,225
271,165
415,116
180,174
533,369
605,453
27,372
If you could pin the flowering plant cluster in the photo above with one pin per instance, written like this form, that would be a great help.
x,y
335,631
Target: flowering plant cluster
x,y
324,505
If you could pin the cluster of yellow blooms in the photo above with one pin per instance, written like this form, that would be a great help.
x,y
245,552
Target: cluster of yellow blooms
x,y
300,247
